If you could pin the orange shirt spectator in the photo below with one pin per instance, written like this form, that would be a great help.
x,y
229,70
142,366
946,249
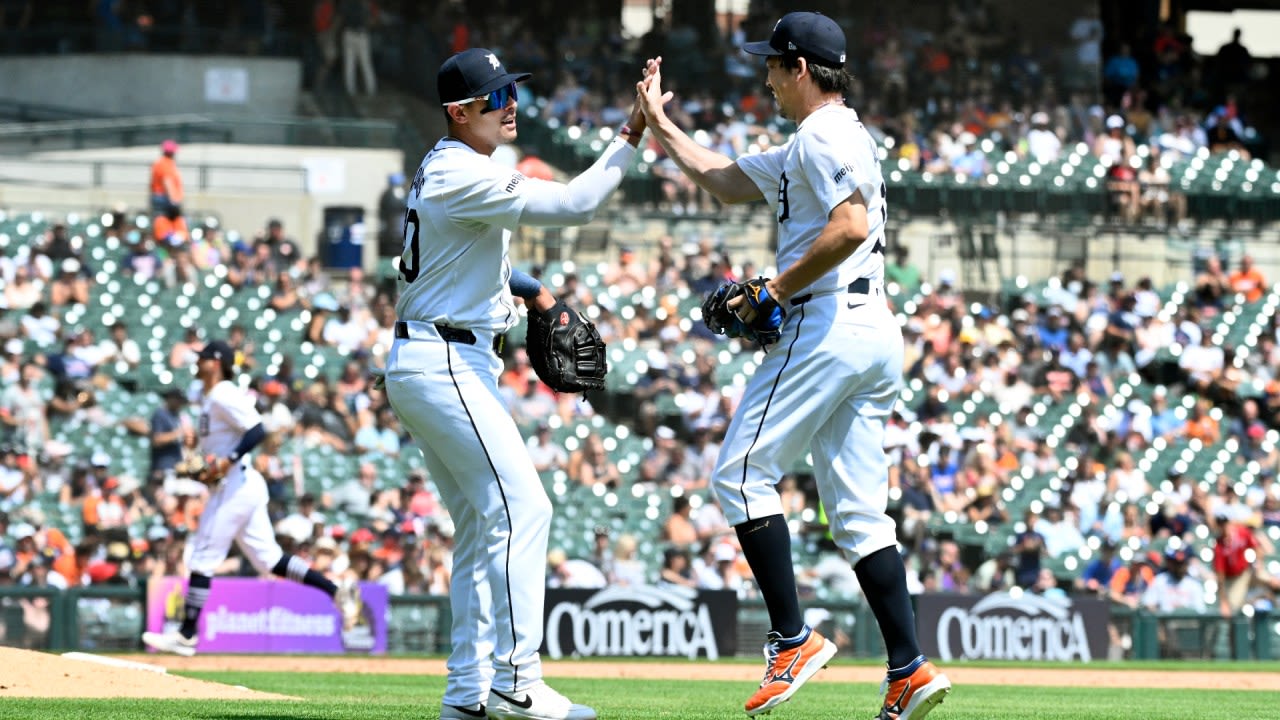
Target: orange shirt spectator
x,y
1204,427
163,227
1248,280
166,181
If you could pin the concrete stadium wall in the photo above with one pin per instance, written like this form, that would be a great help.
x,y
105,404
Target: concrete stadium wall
x,y
149,84
335,176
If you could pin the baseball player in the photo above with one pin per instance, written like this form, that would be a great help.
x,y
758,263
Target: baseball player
x,y
230,428
442,380
831,377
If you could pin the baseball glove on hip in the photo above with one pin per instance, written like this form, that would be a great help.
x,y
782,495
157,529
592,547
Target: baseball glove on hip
x,y
724,309
208,469
565,350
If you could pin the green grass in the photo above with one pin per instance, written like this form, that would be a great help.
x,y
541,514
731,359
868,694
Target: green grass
x,y
366,697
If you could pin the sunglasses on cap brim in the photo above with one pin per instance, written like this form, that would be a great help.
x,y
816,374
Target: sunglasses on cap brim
x,y
495,100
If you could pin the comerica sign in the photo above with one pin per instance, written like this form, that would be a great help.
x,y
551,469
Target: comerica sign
x,y
1012,626
640,621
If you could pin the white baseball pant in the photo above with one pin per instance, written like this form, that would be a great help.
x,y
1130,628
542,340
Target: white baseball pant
x,y
446,394
237,510
827,387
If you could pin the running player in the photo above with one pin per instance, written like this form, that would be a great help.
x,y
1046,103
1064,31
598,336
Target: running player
x,y
230,428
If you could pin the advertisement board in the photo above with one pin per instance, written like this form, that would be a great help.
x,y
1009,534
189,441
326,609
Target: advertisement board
x,y
641,621
1012,625
249,615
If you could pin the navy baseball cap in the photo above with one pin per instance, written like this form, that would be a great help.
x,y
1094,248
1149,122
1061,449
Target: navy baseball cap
x,y
814,35
473,73
220,351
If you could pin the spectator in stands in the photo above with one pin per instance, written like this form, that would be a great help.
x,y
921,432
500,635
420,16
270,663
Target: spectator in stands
x,y
357,19
1130,582
380,437
170,432
1248,280
546,455
1119,75
39,326
572,573
284,297
590,464
1060,531
678,530
677,568
1097,575
1201,425
1212,286
166,181
1043,144
953,576
120,348
23,423
995,574
284,251
304,523
1028,544
21,293
902,271
1175,588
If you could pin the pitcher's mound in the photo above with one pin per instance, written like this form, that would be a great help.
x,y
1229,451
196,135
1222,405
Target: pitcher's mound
x,y
36,674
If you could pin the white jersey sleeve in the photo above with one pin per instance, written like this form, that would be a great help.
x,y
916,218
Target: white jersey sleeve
x,y
486,192
839,167
765,170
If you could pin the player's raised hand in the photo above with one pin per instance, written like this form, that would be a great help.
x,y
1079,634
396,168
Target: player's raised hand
x,y
649,91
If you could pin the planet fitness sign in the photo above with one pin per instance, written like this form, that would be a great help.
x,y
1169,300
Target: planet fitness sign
x,y
247,615
641,621
1012,626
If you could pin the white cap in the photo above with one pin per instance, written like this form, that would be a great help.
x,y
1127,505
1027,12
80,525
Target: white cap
x,y
100,459
13,346
725,553
1114,122
665,433
967,138
1040,118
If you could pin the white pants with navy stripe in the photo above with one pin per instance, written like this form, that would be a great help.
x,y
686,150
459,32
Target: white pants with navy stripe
x,y
827,388
236,511
446,394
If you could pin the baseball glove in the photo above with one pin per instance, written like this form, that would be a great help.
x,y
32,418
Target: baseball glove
x,y
566,350
764,315
207,469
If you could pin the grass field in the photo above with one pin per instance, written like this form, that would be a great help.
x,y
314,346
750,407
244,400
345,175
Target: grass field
x,y
370,697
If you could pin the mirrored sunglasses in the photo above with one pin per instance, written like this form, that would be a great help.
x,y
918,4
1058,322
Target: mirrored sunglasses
x,y
495,100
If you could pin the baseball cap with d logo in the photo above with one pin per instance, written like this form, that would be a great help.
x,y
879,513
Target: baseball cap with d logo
x,y
477,74
814,35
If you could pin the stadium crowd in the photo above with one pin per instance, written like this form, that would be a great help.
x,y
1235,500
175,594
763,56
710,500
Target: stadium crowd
x,y
1076,338
932,96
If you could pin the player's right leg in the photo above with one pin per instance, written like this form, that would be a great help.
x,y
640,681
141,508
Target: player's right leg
x,y
209,548
784,403
447,395
470,661
850,469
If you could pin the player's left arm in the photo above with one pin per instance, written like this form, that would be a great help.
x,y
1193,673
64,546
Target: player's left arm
x,y
238,411
842,173
524,285
845,231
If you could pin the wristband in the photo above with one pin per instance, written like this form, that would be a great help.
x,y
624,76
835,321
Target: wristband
x,y
626,130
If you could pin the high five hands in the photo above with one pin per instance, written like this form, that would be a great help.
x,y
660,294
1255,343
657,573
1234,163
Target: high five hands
x,y
649,94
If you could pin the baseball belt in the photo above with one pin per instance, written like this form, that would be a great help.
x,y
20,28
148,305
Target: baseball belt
x,y
405,331
861,286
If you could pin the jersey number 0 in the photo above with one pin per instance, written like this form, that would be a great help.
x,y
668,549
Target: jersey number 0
x,y
409,260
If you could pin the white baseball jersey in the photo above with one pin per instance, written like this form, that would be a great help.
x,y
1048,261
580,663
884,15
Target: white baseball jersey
x,y
237,507
828,385
829,159
462,207
226,414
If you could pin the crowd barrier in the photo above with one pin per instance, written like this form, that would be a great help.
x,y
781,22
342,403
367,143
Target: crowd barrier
x,y
638,622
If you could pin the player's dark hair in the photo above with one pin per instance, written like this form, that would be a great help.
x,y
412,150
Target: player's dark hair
x,y
828,79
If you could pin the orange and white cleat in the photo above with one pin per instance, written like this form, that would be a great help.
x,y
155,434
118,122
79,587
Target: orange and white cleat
x,y
914,696
787,669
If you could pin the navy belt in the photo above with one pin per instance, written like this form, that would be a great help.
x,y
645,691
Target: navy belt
x,y
451,334
861,286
